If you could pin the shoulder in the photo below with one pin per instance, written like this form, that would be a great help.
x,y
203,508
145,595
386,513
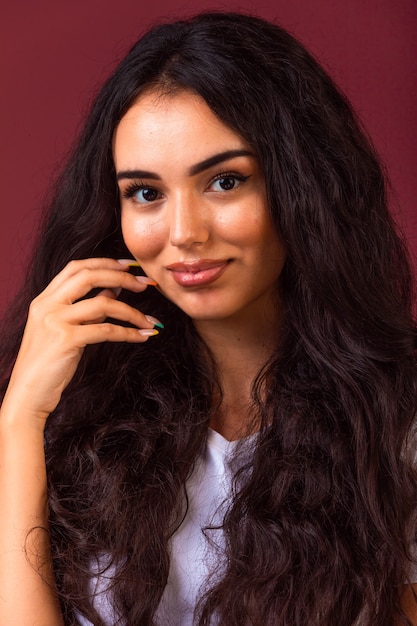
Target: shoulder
x,y
409,603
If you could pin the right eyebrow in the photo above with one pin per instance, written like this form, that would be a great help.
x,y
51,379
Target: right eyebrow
x,y
129,174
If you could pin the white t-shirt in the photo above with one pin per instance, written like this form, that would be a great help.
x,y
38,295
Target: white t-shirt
x,y
197,547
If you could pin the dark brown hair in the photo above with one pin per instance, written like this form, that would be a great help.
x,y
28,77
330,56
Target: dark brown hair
x,y
321,522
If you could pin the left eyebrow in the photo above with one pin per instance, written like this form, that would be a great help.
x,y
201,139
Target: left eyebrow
x,y
216,159
194,169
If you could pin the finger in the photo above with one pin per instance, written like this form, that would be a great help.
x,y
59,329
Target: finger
x,y
73,267
79,284
108,332
100,307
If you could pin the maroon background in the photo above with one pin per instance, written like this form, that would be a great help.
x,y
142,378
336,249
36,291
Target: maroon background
x,y
56,54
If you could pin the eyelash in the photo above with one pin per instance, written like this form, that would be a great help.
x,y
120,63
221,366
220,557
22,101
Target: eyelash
x,y
239,177
134,187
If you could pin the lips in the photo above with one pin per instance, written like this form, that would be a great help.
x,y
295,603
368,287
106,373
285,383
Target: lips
x,y
197,273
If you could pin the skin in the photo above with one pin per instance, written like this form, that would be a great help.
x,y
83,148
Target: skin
x,y
203,206
237,314
409,603
57,331
192,216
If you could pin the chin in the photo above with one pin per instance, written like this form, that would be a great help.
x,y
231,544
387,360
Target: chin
x,y
208,314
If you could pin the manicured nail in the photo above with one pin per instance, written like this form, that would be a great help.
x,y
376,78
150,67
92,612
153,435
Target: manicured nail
x,y
154,321
116,291
148,332
146,281
128,262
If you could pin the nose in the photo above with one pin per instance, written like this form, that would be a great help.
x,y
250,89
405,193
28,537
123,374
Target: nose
x,y
188,221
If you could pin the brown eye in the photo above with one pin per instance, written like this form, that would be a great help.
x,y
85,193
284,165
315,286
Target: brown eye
x,y
147,194
227,182
141,194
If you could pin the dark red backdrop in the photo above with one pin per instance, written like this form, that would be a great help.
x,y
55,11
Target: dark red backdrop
x,y
55,54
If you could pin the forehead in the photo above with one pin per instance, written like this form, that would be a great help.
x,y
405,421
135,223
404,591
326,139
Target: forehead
x,y
179,126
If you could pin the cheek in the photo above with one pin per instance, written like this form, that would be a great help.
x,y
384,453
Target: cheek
x,y
246,223
144,238
248,229
256,235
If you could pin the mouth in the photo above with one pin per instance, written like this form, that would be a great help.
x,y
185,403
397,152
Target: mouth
x,y
197,273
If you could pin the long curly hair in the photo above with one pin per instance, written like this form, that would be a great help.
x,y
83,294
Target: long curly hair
x,y
321,523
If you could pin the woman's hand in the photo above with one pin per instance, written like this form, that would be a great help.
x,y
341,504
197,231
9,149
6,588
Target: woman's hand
x,y
61,324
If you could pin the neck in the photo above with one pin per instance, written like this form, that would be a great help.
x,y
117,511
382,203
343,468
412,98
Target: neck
x,y
240,350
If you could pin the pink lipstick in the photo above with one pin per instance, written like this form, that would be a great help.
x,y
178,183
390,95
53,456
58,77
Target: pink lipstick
x,y
197,273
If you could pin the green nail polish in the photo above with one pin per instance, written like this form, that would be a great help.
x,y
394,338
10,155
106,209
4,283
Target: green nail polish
x,y
159,325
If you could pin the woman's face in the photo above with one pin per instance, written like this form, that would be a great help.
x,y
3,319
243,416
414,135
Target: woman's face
x,y
194,209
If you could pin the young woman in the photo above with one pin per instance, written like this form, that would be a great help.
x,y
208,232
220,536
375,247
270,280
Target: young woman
x,y
226,438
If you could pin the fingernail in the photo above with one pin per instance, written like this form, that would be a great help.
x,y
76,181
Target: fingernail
x,y
148,332
116,291
128,262
154,321
146,281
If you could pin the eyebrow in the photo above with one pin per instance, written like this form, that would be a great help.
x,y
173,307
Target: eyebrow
x,y
194,169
